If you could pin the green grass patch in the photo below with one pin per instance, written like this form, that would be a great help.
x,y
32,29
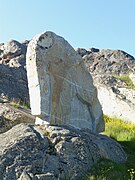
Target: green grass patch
x,y
20,105
15,104
118,129
125,78
124,133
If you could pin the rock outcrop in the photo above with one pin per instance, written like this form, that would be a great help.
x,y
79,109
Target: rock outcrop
x,y
105,65
102,64
29,152
112,62
61,88
11,116
13,78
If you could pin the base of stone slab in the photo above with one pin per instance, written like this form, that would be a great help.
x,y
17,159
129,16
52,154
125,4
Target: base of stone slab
x,y
54,152
40,121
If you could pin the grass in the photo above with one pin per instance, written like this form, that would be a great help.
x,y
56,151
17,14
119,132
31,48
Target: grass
x,y
125,78
124,133
20,104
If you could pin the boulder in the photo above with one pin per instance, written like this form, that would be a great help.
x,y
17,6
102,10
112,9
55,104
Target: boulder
x,y
61,93
13,82
117,102
32,152
11,50
61,88
108,62
11,116
105,66
102,64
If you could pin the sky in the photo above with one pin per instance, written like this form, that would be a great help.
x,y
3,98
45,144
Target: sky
x,y
103,24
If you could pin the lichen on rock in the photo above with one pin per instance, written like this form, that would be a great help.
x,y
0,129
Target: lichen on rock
x,y
26,151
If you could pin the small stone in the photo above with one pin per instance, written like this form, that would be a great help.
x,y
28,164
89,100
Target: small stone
x,y
47,176
24,176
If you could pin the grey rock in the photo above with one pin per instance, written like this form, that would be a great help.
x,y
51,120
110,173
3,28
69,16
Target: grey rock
x,y
13,82
117,102
108,61
82,51
27,152
10,50
102,64
24,176
22,148
25,42
11,116
61,88
93,50
47,176
115,98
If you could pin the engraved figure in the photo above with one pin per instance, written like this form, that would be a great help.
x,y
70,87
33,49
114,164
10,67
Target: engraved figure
x,y
61,88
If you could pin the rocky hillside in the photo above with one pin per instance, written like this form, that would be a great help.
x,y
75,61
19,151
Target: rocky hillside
x,y
50,152
104,62
13,79
106,66
113,72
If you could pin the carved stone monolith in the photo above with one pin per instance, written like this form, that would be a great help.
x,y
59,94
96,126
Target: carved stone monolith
x,y
60,87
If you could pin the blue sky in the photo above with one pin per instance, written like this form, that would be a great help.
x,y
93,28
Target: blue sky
x,y
104,24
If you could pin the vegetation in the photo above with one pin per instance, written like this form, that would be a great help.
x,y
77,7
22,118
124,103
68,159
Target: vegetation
x,y
125,78
20,104
124,133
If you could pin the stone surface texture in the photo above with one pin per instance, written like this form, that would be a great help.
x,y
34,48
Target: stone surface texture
x,y
29,152
132,76
117,102
60,86
104,65
11,116
13,78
